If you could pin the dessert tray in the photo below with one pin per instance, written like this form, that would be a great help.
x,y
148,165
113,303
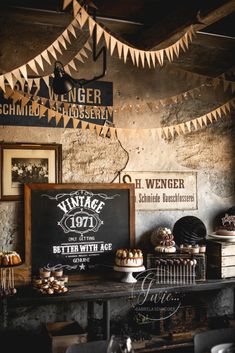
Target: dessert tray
x,y
229,238
128,277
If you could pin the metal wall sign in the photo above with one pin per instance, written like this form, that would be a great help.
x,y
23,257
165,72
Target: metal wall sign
x,y
163,190
78,103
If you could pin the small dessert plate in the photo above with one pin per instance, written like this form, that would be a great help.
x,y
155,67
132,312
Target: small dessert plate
x,y
222,237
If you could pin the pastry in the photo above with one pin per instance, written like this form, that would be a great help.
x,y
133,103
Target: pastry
x,y
129,258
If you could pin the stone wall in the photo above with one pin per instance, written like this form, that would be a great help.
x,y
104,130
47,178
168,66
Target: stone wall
x,y
88,158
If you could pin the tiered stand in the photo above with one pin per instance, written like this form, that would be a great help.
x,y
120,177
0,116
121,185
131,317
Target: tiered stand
x,y
128,271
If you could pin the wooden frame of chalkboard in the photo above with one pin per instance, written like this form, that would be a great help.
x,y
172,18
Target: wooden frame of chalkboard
x,y
77,227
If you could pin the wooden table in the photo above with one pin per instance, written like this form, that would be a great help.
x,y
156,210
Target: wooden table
x,y
105,290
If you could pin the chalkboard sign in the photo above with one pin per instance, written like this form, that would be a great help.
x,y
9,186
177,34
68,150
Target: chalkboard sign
x,y
77,227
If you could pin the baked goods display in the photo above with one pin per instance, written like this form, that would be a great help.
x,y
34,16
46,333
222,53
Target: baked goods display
x,y
163,240
49,284
129,258
193,249
9,258
228,226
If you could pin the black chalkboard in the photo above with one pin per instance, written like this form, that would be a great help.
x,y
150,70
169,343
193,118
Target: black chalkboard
x,y
77,227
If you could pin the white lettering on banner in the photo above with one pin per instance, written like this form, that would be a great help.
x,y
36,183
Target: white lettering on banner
x,y
81,248
163,190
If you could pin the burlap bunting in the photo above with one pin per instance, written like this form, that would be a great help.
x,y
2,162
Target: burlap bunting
x,y
165,132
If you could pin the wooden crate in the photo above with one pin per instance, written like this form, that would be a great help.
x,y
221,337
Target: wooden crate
x,y
200,267
220,259
63,334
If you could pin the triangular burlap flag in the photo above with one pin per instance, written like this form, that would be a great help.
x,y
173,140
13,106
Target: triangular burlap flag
x,y
104,131
83,17
200,122
98,129
9,78
166,131
52,51
99,33
113,132
182,45
159,132
125,52
56,46
35,106
66,120
177,129
2,83
88,46
227,105
132,54
209,116
16,73
46,80
66,3
147,55
23,70
72,65
185,40
46,57
188,124
107,39
137,56
51,114
204,118
32,65
226,85
176,49
38,60
24,101
72,30
167,51
113,42
153,57
142,56
84,125
76,8
42,111
15,97
219,112
58,117
214,114
75,123
91,24
223,108
182,126
82,52
194,122
119,48
79,57
171,128
62,42
159,55
65,34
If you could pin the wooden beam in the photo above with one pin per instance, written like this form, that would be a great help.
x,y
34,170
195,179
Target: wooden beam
x,y
173,26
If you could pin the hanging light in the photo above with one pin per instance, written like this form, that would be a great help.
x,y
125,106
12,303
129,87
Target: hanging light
x,y
62,82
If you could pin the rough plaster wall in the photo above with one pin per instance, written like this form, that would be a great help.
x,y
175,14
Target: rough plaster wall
x,y
86,158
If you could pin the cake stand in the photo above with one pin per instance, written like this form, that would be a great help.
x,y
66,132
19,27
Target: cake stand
x,y
128,277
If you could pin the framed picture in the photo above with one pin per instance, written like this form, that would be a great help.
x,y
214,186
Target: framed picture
x,y
28,163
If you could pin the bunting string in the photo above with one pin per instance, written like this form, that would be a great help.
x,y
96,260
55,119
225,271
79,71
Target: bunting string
x,y
166,132
79,57
38,63
138,57
195,77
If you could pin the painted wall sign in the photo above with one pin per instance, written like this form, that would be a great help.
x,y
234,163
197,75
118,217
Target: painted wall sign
x,y
77,103
78,227
163,190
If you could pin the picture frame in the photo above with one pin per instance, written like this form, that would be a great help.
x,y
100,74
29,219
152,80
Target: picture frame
x,y
22,163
